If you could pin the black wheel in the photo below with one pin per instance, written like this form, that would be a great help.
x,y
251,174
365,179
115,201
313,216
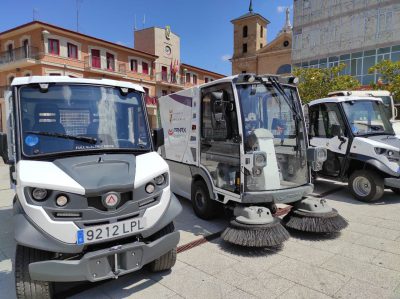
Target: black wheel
x,y
25,287
168,260
204,207
396,190
366,185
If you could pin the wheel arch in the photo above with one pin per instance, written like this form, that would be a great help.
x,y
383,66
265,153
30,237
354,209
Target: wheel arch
x,y
360,163
199,174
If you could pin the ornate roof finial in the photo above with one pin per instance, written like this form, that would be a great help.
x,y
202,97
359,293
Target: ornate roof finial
x,y
287,23
251,6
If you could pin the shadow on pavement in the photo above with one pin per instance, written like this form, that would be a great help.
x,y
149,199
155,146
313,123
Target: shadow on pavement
x,y
317,237
252,252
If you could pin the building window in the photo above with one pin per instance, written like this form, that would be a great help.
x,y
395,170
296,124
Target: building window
x,y
164,92
54,46
54,74
145,68
96,62
261,31
205,80
261,45
244,48
146,91
244,72
194,79
110,61
72,51
187,77
245,31
25,44
134,65
164,73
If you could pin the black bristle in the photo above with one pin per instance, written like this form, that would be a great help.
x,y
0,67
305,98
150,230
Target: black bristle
x,y
329,223
255,236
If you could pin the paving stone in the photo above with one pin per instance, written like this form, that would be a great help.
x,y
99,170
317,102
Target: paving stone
x,y
190,282
372,274
358,252
239,294
356,289
390,224
380,244
310,276
90,294
388,260
300,292
305,254
374,231
266,285
6,198
202,259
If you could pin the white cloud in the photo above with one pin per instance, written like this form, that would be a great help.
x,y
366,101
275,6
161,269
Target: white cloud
x,y
226,57
281,9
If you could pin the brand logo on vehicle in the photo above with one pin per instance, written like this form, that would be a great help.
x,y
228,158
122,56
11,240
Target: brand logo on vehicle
x,y
111,200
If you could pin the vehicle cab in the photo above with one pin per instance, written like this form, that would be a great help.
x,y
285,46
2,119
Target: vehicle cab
x,y
361,143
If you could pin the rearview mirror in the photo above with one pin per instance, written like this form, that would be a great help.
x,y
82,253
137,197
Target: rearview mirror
x,y
336,130
4,148
158,138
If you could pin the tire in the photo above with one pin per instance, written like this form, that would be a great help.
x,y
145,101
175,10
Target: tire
x,y
25,287
168,260
396,190
366,186
204,207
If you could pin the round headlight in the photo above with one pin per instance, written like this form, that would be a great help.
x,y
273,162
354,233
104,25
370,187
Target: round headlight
x,y
159,180
39,194
260,160
62,200
150,188
390,153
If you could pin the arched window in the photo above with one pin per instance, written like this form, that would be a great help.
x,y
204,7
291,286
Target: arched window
x,y
26,47
245,31
284,69
262,31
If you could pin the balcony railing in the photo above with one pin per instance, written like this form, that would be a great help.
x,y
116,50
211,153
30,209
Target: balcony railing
x,y
170,78
110,65
17,54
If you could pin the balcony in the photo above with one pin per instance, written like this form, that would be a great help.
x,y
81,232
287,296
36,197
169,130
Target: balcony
x,y
106,66
19,57
168,79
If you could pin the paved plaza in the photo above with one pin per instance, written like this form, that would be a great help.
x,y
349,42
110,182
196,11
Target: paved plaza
x,y
361,262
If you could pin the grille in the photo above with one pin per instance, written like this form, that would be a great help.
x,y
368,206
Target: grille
x,y
95,202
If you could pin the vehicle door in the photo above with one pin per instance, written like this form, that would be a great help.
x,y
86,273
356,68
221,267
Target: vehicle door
x,y
327,129
220,142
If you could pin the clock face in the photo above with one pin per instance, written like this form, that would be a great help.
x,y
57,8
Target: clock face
x,y
168,50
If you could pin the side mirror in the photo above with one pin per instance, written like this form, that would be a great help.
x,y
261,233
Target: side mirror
x,y
336,131
4,148
158,138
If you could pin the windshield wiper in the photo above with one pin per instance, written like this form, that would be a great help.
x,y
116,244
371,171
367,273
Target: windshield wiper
x,y
86,139
373,127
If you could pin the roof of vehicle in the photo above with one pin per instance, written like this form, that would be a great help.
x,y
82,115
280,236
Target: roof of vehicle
x,y
65,79
366,93
343,99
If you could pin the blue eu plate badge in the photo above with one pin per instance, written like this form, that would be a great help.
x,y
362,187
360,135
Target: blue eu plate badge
x,y
80,237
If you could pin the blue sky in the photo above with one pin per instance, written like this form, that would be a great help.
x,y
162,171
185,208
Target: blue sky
x,y
203,25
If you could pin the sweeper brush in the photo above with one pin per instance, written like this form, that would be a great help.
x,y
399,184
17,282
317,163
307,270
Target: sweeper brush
x,y
255,227
313,215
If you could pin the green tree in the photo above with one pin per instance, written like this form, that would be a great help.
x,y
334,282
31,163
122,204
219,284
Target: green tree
x,y
389,77
317,83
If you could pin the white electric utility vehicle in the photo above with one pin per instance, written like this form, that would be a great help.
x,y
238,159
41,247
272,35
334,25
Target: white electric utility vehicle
x,y
387,99
93,198
241,142
361,144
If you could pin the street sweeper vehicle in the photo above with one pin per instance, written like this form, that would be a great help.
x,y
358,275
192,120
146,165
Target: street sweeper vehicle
x,y
391,110
240,143
361,143
93,198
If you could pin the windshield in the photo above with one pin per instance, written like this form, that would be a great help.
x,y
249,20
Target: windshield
x,y
387,101
81,117
367,117
274,126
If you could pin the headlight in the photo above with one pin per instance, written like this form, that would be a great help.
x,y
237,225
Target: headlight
x,y
150,188
61,200
260,159
39,194
159,180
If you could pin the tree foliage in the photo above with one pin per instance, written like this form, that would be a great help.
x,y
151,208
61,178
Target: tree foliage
x,y
317,83
389,77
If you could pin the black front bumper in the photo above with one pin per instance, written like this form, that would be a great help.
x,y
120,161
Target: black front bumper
x,y
104,264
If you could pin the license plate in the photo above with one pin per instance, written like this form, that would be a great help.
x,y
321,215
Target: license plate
x,y
108,231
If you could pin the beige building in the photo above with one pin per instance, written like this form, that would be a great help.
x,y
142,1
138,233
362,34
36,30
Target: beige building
x,y
252,53
357,33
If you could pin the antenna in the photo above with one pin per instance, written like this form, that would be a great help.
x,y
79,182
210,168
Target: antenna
x,y
34,14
